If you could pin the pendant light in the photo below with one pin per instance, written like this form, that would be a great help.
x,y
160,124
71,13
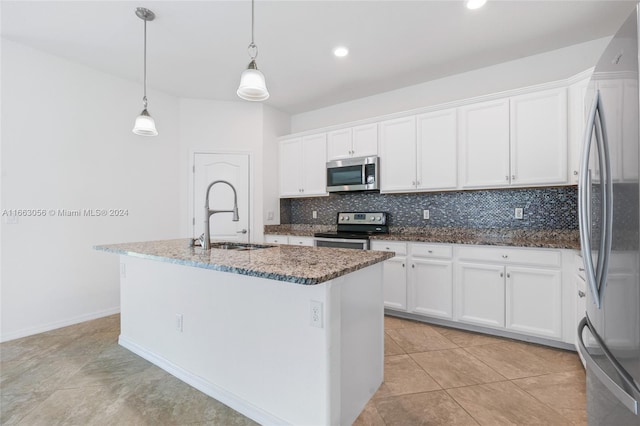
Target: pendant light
x,y
252,84
145,125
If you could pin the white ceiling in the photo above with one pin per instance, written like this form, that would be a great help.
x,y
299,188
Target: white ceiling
x,y
198,49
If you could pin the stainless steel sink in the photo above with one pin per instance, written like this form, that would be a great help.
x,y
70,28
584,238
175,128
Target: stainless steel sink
x,y
237,246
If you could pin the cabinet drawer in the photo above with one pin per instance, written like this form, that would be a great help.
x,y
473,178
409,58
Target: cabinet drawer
x,y
399,248
277,239
431,251
301,241
511,255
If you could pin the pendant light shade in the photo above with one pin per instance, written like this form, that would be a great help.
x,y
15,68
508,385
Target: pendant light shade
x,y
145,125
252,84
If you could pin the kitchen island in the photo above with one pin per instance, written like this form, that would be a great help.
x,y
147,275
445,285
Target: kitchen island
x,y
283,334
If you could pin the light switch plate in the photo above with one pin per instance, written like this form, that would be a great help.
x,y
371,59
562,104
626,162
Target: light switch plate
x,y
425,214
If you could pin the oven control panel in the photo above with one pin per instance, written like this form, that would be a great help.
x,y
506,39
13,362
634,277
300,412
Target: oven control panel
x,y
362,218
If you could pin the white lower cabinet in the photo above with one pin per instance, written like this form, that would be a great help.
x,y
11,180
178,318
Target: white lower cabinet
x,y
394,274
517,289
534,301
481,294
431,280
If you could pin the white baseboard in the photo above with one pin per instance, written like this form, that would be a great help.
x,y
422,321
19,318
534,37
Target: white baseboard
x,y
239,404
58,324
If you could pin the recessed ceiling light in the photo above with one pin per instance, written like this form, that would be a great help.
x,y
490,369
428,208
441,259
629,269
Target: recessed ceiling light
x,y
341,51
475,4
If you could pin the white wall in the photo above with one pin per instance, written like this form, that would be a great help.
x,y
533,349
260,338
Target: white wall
x,y
222,126
546,67
276,124
67,144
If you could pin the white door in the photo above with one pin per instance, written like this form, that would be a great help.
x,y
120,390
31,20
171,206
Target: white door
x,y
233,168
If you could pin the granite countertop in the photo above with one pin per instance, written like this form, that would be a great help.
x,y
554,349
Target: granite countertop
x,y
295,264
545,238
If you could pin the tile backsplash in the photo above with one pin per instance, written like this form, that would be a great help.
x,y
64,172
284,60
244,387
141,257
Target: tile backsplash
x,y
543,208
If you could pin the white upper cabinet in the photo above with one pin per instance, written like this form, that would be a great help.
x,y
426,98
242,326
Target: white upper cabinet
x,y
303,166
398,154
359,141
539,138
483,131
419,153
436,150
519,141
290,167
577,111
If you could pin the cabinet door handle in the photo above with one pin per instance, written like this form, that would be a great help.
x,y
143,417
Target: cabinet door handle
x,y
501,274
403,265
413,266
581,294
430,251
513,177
506,177
413,182
581,269
505,256
244,231
417,182
508,275
575,173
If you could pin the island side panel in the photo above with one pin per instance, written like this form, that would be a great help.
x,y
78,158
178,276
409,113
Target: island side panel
x,y
245,341
362,339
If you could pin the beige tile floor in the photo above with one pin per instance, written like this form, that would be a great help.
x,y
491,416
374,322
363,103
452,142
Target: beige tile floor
x,y
79,375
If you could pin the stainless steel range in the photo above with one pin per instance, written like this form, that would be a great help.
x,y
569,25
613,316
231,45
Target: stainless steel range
x,y
354,229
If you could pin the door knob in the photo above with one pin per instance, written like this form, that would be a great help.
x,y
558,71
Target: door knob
x,y
244,231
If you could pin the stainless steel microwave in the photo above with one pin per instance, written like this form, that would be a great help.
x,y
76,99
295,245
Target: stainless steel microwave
x,y
353,174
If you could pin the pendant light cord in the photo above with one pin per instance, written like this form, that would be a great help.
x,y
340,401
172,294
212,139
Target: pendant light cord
x,y
253,49
144,98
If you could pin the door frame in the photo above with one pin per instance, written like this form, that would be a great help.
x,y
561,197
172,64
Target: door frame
x,y
192,174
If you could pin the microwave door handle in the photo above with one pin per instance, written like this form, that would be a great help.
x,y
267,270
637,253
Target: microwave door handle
x,y
583,206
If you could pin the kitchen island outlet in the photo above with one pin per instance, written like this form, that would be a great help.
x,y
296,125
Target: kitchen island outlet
x,y
282,334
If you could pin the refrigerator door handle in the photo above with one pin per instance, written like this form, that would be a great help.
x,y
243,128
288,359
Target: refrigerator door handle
x,y
584,207
606,230
629,400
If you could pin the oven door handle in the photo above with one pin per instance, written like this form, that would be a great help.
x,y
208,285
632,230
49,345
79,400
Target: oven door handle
x,y
365,243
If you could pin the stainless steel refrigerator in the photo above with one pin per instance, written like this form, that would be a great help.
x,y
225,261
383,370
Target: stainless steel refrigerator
x,y
608,192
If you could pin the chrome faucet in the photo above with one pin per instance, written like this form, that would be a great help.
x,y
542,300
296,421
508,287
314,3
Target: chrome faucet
x,y
206,241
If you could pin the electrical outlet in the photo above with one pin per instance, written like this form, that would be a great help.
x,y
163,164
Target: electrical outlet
x,y
179,322
425,214
519,213
314,214
269,215
316,314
